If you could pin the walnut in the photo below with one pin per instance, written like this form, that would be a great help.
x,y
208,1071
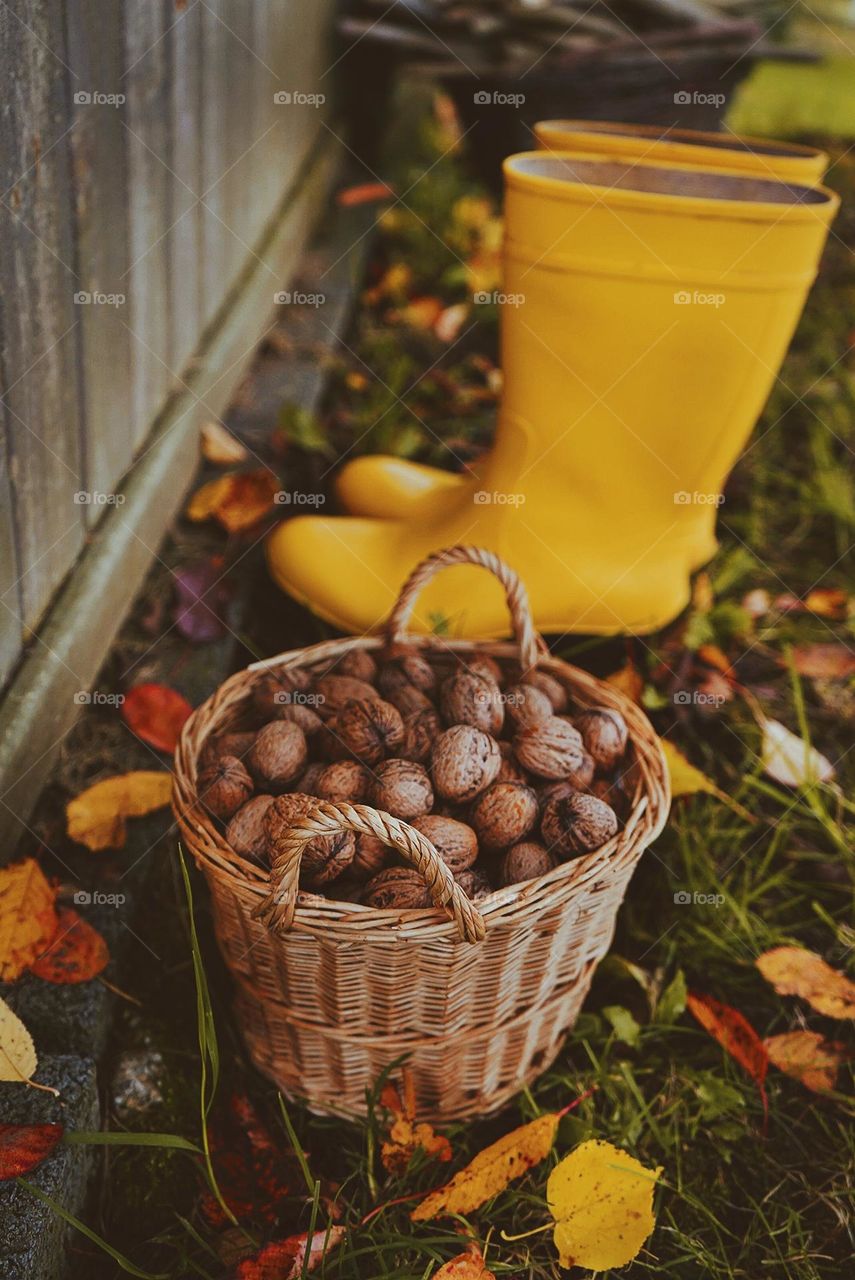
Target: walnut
x,y
420,733
402,788
526,706
226,744
474,883
278,755
613,792
246,832
455,842
324,857
605,735
510,770
467,698
406,670
553,789
554,689
409,700
371,857
224,786
369,729
525,861
346,782
334,691
400,887
481,664
309,778
504,814
274,688
357,663
300,713
464,762
551,750
576,824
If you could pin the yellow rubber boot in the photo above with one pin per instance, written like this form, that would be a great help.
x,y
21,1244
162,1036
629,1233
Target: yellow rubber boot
x,y
382,485
657,306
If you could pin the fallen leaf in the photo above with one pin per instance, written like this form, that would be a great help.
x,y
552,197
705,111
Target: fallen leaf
x,y
18,1058
96,818
421,313
201,598
78,953
703,595
23,1147
628,680
736,1036
286,1259
808,1057
492,1169
789,760
450,321
824,661
827,602
466,1266
757,602
28,918
713,656
686,780
156,714
363,193
406,1136
237,500
602,1202
219,445
254,1173
794,971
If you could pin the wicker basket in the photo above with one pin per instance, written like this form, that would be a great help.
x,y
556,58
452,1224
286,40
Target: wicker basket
x,y
330,993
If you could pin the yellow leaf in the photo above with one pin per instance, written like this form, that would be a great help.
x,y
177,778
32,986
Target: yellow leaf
x,y
602,1202
28,919
628,680
237,500
219,445
807,1057
492,1169
405,1135
686,780
466,1266
18,1058
794,971
97,816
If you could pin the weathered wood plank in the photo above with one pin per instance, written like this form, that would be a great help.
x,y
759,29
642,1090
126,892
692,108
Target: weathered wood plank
x,y
185,214
40,322
10,594
243,133
99,156
218,245
148,122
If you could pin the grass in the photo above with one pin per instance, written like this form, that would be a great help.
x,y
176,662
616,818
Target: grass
x,y
735,1201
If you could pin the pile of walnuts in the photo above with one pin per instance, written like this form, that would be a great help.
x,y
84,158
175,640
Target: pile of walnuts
x,y
494,767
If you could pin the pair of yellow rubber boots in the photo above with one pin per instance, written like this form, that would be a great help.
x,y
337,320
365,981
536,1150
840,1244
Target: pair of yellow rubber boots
x,y
653,281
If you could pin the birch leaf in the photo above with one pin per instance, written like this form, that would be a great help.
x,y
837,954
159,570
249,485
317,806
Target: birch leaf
x,y
789,760
18,1059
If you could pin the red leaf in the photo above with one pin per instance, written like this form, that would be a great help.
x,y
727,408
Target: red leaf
x,y
824,661
76,954
24,1146
284,1259
736,1036
255,1175
364,193
156,714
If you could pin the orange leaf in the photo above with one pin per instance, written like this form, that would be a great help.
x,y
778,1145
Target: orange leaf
x,y
23,1147
405,1135
807,1057
827,602
466,1266
77,953
238,500
628,680
156,714
28,918
97,816
421,313
824,661
736,1036
794,971
714,657
286,1259
364,193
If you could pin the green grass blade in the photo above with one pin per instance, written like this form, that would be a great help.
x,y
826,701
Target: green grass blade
x,y
117,1257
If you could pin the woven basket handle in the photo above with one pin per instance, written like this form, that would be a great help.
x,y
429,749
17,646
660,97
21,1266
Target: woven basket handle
x,y
277,909
530,642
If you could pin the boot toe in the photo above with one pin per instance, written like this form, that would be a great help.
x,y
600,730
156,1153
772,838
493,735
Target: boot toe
x,y
390,488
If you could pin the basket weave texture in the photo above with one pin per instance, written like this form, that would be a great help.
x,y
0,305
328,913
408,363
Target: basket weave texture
x,y
479,997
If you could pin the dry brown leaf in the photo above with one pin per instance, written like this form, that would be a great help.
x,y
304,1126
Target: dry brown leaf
x,y
237,500
808,1057
28,917
794,971
97,816
406,1135
219,445
824,661
469,1265
628,680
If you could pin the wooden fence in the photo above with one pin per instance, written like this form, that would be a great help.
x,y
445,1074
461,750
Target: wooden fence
x,y
146,149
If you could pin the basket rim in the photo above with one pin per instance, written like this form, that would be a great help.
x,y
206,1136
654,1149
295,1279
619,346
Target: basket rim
x,y
317,914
